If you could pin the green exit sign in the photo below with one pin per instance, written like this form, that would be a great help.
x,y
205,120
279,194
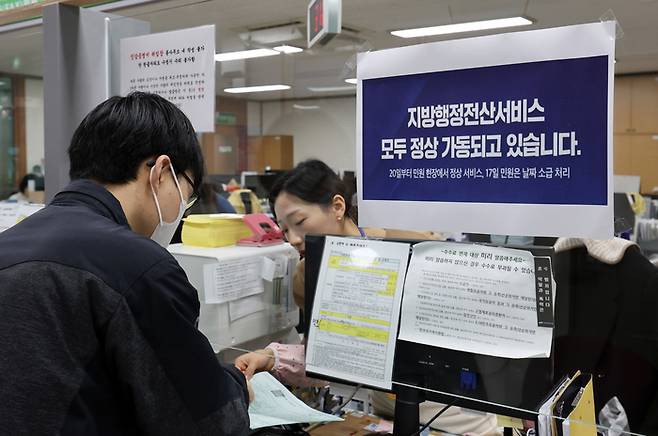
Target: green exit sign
x,y
8,5
225,118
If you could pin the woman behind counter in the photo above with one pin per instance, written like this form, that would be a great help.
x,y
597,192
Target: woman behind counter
x,y
311,199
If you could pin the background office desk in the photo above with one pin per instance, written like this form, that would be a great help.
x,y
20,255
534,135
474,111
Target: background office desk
x,y
353,425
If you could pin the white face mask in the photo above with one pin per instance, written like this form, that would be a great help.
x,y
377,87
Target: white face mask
x,y
165,231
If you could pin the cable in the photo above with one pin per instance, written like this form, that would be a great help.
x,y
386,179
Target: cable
x,y
336,409
340,407
427,424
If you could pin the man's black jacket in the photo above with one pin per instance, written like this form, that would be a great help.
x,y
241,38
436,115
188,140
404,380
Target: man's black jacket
x,y
98,331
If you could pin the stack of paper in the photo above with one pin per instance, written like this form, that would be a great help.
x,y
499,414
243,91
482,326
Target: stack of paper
x,y
214,230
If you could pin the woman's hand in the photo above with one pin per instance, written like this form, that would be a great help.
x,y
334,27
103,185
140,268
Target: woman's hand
x,y
257,361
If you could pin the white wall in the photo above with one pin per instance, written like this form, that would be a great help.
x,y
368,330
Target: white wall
x,y
34,122
326,132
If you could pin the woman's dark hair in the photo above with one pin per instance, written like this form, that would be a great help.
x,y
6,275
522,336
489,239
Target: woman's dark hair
x,y
120,133
312,181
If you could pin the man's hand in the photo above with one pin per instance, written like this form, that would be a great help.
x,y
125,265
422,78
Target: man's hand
x,y
251,363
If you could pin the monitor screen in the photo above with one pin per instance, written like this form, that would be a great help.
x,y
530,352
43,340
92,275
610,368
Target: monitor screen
x,y
261,184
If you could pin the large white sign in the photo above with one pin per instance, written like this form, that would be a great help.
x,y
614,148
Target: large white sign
x,y
179,66
506,134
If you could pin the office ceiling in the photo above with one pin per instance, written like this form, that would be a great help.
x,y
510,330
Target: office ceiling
x,y
366,23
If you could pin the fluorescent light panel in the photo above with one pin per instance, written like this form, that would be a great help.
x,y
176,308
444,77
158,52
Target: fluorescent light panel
x,y
261,88
245,54
472,26
330,88
305,108
288,49
351,81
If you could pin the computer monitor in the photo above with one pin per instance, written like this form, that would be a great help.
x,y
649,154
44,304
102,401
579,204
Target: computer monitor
x,y
261,184
481,382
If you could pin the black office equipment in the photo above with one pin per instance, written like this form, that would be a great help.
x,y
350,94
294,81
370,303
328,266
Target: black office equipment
x,y
513,387
261,184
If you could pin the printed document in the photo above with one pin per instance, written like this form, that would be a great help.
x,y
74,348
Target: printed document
x,y
231,279
473,298
245,306
356,310
274,405
13,213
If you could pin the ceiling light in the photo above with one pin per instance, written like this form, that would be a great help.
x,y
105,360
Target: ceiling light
x,y
245,54
261,88
288,49
274,34
351,81
462,27
330,88
305,108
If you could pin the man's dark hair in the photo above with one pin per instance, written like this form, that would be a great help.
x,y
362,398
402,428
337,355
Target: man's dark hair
x,y
120,133
312,181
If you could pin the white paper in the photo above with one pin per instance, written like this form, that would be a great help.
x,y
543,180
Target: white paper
x,y
8,215
281,266
356,308
544,414
269,267
13,213
274,405
588,221
230,279
179,66
245,306
566,427
460,297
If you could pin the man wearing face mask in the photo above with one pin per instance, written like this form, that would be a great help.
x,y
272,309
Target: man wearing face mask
x,y
97,319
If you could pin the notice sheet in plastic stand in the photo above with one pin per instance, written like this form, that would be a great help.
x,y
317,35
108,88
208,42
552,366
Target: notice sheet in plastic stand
x,y
356,308
473,298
